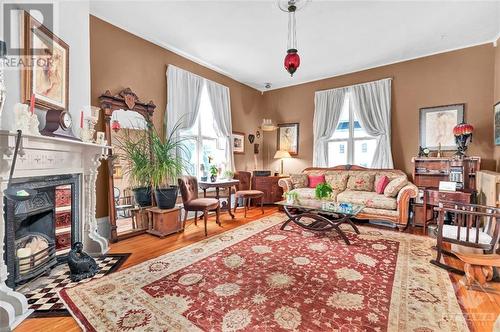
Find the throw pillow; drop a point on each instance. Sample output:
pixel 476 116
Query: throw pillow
pixel 314 180
pixel 395 186
pixel 380 185
pixel 361 182
pixel 299 180
pixel 338 180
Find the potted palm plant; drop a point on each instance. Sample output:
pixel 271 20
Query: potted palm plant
pixel 166 166
pixel 133 151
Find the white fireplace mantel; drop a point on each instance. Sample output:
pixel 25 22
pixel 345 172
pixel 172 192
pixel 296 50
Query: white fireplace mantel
pixel 45 156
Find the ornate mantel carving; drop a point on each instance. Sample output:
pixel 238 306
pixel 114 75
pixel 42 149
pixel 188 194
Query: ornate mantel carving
pixel 45 156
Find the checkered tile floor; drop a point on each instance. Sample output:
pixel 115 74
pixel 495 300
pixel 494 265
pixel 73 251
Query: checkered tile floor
pixel 44 298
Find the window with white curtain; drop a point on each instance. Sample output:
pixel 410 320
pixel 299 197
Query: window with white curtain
pixel 202 142
pixel 350 144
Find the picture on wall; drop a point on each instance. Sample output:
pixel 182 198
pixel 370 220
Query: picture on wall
pixel 436 126
pixel 288 138
pixel 238 142
pixel 48 80
pixel 497 123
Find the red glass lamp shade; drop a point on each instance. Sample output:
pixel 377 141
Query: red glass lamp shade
pixel 292 61
pixel 463 129
pixel 115 125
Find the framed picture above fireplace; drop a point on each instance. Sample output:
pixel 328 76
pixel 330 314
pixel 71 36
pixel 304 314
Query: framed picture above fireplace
pixel 48 81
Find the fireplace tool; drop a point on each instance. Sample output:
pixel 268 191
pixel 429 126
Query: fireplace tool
pixel 17 194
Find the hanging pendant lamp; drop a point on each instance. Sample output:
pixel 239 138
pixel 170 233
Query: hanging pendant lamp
pixel 292 58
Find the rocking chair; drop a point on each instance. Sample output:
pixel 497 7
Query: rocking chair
pixel 472 226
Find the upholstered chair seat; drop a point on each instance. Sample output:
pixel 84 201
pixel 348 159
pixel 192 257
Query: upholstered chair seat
pixel 202 203
pixel 249 193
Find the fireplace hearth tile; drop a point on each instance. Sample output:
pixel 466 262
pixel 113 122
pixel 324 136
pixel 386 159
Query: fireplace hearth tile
pixel 41 293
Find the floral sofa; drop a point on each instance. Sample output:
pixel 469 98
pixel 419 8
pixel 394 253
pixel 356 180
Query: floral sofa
pixel 356 185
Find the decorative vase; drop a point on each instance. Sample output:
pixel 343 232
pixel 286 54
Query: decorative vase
pixel 213 178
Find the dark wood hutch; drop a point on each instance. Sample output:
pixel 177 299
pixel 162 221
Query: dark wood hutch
pixel 429 171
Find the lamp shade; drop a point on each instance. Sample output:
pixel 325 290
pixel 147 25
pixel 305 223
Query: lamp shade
pixel 280 154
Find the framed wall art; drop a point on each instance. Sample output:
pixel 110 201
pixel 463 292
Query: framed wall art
pixel 497 123
pixel 238 142
pixel 48 78
pixel 436 126
pixel 288 138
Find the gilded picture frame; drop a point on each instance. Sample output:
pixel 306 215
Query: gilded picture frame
pixel 47 76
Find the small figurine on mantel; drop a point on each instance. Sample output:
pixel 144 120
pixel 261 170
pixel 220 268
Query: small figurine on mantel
pixel 81 265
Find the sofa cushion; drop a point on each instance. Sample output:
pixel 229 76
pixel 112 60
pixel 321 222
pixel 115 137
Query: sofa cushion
pixel 299 180
pixel 310 193
pixel 369 199
pixel 337 180
pixel 363 181
pixel 380 185
pixel 314 180
pixel 395 186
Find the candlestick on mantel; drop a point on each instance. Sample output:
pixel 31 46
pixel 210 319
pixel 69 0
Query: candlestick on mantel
pixel 81 119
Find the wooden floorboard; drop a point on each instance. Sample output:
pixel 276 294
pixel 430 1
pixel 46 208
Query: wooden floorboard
pixel 481 307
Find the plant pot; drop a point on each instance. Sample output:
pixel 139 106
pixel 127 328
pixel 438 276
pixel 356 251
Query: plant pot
pixel 213 178
pixel 142 196
pixel 166 197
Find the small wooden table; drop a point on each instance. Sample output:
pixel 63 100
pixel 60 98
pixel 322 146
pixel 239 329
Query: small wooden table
pixel 229 184
pixel 165 222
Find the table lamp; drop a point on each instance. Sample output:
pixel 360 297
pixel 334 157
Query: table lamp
pixel 282 154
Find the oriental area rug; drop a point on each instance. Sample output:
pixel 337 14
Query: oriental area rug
pixel 260 278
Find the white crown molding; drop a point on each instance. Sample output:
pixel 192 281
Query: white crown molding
pixel 280 86
pixel 332 75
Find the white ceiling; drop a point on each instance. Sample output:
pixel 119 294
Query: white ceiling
pixel 246 40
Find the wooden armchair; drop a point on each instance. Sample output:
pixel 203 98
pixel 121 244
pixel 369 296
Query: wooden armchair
pixel 472 226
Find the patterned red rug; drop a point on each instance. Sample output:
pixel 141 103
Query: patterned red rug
pixel 260 278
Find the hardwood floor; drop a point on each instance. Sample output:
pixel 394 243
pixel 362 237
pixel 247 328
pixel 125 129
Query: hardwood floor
pixel 482 308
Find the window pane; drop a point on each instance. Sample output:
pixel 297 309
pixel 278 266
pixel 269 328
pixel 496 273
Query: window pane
pixel 363 152
pixel 337 153
pixel 190 155
pixel 209 149
pixel 342 130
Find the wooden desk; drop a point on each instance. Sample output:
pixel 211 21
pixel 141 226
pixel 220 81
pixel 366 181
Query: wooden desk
pixel 224 184
pixel 432 197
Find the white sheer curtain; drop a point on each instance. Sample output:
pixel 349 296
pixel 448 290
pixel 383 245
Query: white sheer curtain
pixel 328 107
pixel 183 93
pixel 371 102
pixel 221 106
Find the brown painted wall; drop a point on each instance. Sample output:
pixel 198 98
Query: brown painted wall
pixel 463 76
pixel 120 59
pixel 496 97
